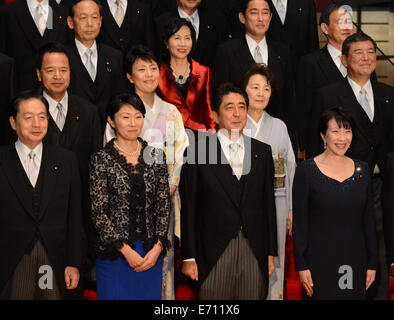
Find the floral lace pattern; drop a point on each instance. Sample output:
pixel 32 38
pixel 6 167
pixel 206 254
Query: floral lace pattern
pixel 129 202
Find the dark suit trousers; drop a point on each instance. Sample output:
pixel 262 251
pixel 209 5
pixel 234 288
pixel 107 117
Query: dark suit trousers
pixel 380 287
pixel 236 275
pixel 26 281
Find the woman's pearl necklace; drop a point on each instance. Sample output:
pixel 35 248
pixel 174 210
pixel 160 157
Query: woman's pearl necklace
pixel 129 153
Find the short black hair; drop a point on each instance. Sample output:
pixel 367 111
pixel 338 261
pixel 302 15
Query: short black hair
pixel 325 16
pixel 136 52
pixel 119 100
pixel 223 90
pixel 173 26
pixel 14 106
pixel 356 37
pixel 244 6
pixel 75 2
pixel 341 116
pixel 51 47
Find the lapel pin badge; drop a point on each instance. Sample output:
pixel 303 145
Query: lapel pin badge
pixel 55 167
pixel 108 66
pixel 138 11
pixel 76 118
pixel 256 156
pixel 278 57
pixel 299 9
pixel 387 101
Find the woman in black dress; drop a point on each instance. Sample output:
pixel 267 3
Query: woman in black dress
pixel 334 237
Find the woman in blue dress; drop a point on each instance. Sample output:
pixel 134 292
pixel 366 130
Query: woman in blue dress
pixel 130 207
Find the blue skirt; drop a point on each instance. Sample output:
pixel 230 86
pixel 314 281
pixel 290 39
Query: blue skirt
pixel 116 280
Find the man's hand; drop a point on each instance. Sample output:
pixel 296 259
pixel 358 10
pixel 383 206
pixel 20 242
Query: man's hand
pixel 190 269
pixel 71 277
pixel 370 278
pixel 306 280
pixel 290 222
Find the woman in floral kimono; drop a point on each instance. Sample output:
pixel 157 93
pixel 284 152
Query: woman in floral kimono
pixel 163 128
pixel 258 82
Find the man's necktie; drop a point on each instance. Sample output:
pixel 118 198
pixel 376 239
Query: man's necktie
pixel 60 118
pixel 89 64
pixel 119 13
pixel 38 19
pixel 191 19
pixel 235 161
pixel 32 168
pixel 258 57
pixel 365 103
pixel 281 9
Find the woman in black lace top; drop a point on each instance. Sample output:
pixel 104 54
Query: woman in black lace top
pixel 130 207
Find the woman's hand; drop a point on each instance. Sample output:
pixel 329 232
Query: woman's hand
pixel 370 278
pixel 150 259
pixel 290 222
pixel 306 280
pixel 133 257
pixel 271 265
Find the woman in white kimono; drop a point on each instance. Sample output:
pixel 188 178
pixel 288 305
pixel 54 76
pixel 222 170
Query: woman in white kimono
pixel 163 128
pixel 258 82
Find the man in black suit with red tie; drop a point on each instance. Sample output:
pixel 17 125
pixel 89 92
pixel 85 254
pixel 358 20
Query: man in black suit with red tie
pixel 228 209
pixel 26 26
pixel 73 123
pixel 127 23
pixel 96 69
pixel 235 56
pixel 370 103
pixel 321 68
pixel 41 233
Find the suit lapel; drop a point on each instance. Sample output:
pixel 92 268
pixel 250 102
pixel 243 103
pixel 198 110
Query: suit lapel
pixel 51 168
pixel 104 69
pixel 223 172
pixel 275 65
pixel 27 23
pixel 82 78
pixel 243 55
pixel 72 124
pixel 110 24
pixel 16 176
pixel 328 66
pixel 349 100
pixel 248 167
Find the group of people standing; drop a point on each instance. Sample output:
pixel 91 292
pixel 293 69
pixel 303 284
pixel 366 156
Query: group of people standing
pixel 194 150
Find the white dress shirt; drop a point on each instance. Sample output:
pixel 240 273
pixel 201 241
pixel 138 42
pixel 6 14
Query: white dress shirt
pixel 194 19
pixel 263 47
pixel 53 110
pixel 113 7
pixel 368 88
pixel 335 55
pixel 82 49
pixel 23 153
pixel 32 5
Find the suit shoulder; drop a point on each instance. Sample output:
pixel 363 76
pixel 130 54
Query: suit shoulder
pixel 108 50
pixel 312 57
pixel 230 44
pixel 60 152
pixel 82 103
pixel 5 60
pixel 259 145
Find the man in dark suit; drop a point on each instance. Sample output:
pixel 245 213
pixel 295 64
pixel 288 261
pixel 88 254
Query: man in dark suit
pixel 96 69
pixel 321 68
pixel 294 24
pixel 126 25
pixel 41 231
pixel 234 57
pixel 228 211
pixel 26 26
pixel 73 122
pixel 7 91
pixel 368 101
pixel 210 28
